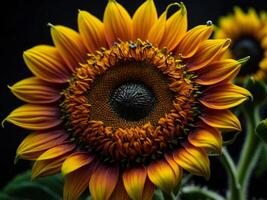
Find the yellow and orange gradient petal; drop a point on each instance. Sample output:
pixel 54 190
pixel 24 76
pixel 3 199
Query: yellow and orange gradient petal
pixel 63 73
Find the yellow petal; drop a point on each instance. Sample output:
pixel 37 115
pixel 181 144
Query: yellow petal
pixel 207 52
pixel 207 137
pixel 193 159
pixel 143 19
pixel 92 31
pixel 161 174
pixel 46 63
pixel 36 143
pixel 56 151
pixel 134 182
pixel 34 117
pixel 222 119
pixel 34 90
pixel 75 161
pixel 76 183
pixel 224 96
pixel 70 46
pixel 224 70
pixel 176 27
pixel 103 182
pixel 117 23
pixel 192 39
pixel 47 167
pixel 175 167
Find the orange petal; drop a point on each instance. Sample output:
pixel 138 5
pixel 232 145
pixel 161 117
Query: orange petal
pixel 134 182
pixel 148 190
pixel 76 182
pixel 34 117
pixel 225 70
pixel 34 90
pixel 56 151
pixel 207 137
pixel 117 23
pixel 47 167
pixel 36 143
pixel 92 31
pixel 224 96
pixel 69 44
pixel 176 27
pixel 75 161
pixel 192 40
pixel 143 19
pixel 193 159
pixel 157 31
pixel 119 192
pixel 162 175
pixel 46 63
pixel 103 182
pixel 222 119
pixel 207 52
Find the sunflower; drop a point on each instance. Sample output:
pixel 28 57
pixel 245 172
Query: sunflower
pixel 248 32
pixel 125 105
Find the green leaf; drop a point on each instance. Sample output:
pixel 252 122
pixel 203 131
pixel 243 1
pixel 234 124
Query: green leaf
pixel 262 163
pixel 257 89
pixel 261 130
pixel 23 188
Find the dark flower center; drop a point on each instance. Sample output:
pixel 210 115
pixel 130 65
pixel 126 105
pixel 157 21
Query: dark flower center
pixel 132 100
pixel 248 46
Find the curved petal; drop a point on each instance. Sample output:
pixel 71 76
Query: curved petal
pixel 36 143
pixel 193 159
pixel 157 31
pixel 75 161
pixel 134 182
pixel 103 182
pixel 46 63
pixel 47 167
pixel 92 31
pixel 119 192
pixel 175 167
pixel 207 52
pixel 69 44
pixel 56 151
pixel 143 19
pixel 76 182
pixel 207 137
pixel 224 70
pixel 176 27
pixel 34 117
pixel 192 40
pixel 222 119
pixel 224 96
pixel 34 90
pixel 148 190
pixel 162 175
pixel 117 23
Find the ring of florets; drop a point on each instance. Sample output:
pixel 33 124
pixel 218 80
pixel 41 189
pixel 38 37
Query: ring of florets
pixel 144 140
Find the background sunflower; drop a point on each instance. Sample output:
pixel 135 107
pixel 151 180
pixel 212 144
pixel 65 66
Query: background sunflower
pixel 25 25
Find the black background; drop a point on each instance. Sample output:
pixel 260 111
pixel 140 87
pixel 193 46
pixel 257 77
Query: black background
pixel 24 25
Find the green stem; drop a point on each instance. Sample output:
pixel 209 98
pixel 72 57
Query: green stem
pixel 169 196
pixel 230 168
pixel 195 192
pixel 250 150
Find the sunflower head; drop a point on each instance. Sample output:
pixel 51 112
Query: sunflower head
pixel 248 32
pixel 125 105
